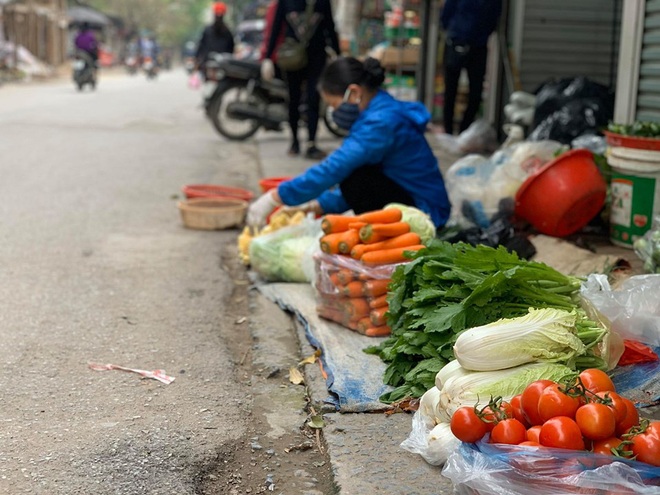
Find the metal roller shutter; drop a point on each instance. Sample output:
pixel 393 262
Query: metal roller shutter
pixel 648 96
pixel 565 38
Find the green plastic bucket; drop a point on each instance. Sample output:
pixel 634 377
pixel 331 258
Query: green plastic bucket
pixel 635 193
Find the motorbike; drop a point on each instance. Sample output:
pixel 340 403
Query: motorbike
pixel 84 70
pixel 239 102
pixel 189 64
pixel 150 67
pixel 131 63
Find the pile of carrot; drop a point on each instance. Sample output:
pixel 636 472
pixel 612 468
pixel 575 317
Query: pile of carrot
pixel 375 238
pixel 355 296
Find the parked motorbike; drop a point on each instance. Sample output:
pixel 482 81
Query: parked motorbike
pixel 84 70
pixel 239 102
pixel 150 67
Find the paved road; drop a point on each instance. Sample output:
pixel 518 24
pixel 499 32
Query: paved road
pixel 95 266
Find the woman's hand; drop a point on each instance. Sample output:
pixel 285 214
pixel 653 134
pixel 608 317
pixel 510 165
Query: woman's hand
pixel 261 208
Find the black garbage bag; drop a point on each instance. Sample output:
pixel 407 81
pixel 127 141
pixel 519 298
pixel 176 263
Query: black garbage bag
pixel 569 108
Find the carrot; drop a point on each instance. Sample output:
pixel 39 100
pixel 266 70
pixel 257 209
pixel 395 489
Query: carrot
pixel 355 307
pixel 409 239
pixel 330 243
pixel 372 237
pixel 375 287
pixel 345 275
pixel 363 325
pixel 377 316
pixel 391 229
pixel 381 216
pixel 348 240
pixel 356 225
pixel 334 278
pixel 378 302
pixel 331 224
pixel 331 314
pixel 385 256
pixel 353 289
pixel 381 331
pixel 358 250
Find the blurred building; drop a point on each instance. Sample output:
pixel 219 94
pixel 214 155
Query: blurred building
pixel 38 25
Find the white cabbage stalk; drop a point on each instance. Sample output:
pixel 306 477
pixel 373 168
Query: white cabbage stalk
pixel 428 406
pixel 434 444
pixel 545 334
pixel 450 369
pixel 470 388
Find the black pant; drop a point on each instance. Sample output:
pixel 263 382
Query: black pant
pixel 473 59
pixel 309 79
pixel 368 189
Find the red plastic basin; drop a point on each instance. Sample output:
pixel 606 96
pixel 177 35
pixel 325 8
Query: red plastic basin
pixel 268 183
pixel 564 195
pixel 213 191
pixel 640 143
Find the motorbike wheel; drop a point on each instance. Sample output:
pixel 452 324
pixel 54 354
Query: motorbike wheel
pixel 233 129
pixel 330 124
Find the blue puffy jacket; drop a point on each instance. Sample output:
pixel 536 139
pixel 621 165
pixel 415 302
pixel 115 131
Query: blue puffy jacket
pixel 389 133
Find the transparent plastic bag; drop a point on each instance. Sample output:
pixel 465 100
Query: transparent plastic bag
pixel 286 255
pixel 195 81
pixel 328 265
pixel 435 443
pixel 488 469
pixel 647 248
pixel 633 308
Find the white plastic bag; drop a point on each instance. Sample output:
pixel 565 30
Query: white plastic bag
pixel 195 81
pixel 434 443
pixel 633 308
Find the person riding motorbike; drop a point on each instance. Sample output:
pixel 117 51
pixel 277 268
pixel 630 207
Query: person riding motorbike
pixel 216 38
pixel 86 43
pixel 384 159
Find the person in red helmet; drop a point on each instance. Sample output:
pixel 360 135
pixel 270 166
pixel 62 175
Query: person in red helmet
pixel 217 38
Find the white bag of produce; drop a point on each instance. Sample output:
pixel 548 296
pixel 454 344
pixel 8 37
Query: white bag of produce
pixel 434 443
pixel 286 255
pixel 633 307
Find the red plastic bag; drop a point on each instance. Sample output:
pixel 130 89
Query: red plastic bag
pixel 636 352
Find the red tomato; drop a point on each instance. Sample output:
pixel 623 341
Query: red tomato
pixel 529 443
pixel 554 402
pixel 596 421
pixel 466 425
pixel 596 380
pixel 605 446
pixel 631 419
pixel 646 447
pixel 618 407
pixel 530 400
pixel 510 431
pixel 491 419
pixel 517 410
pixel 654 428
pixel 561 433
pixel 533 433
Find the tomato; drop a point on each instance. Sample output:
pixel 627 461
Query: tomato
pixel 561 433
pixel 529 400
pixel 533 433
pixel 606 445
pixel 517 409
pixel 554 402
pixel 530 443
pixel 646 447
pixel 618 407
pixel 596 421
pixel 654 428
pixel 596 380
pixel 466 425
pixel 631 419
pixel 510 431
pixel 491 419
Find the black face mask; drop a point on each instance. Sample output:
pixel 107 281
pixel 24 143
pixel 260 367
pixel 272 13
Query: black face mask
pixel 347 113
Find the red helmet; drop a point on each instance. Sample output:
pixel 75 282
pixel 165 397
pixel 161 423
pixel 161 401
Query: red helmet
pixel 219 8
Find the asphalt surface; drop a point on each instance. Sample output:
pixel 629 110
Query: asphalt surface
pixel 96 267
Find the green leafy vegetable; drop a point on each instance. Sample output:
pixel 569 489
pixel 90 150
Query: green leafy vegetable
pixel 448 288
pixel 638 129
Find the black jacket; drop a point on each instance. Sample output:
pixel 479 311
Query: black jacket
pixel 325 34
pixel 212 41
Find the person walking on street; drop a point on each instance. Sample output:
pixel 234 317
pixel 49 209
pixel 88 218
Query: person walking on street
pixel 319 32
pixel 385 158
pixel 216 38
pixel 468 24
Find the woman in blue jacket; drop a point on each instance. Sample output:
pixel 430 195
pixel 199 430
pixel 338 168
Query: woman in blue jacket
pixel 384 159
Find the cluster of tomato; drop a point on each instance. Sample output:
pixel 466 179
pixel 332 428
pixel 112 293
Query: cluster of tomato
pixel 585 415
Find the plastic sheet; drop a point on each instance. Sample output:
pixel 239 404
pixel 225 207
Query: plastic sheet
pixel 488 469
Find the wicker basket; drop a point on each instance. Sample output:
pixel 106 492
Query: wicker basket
pixel 212 213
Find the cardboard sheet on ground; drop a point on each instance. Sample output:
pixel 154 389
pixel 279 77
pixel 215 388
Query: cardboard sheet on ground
pixel 568 258
pixel 355 379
